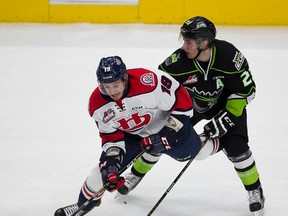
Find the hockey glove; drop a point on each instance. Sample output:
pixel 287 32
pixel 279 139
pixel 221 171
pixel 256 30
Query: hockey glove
pixel 220 124
pixel 157 143
pixel 165 139
pixel 109 170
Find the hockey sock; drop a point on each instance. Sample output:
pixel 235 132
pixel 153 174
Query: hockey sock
pixel 246 169
pixel 143 164
pixel 211 147
pixel 86 194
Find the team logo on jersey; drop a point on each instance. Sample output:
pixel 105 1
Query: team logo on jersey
pixel 147 79
pixel 108 115
pixel 200 93
pixel 190 80
pixel 239 60
pixel 135 122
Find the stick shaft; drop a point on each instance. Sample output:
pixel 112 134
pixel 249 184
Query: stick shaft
pixel 175 180
pixel 101 190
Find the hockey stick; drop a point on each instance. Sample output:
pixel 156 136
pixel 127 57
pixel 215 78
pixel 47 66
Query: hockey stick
pixel 175 180
pixel 101 190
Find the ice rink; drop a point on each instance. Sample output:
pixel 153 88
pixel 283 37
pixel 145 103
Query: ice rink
pixel 49 143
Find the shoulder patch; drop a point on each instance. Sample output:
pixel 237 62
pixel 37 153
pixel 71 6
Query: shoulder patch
pixel 172 59
pixel 148 79
pixel 239 60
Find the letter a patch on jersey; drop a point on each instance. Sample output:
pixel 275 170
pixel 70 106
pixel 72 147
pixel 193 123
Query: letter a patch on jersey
pixel 219 84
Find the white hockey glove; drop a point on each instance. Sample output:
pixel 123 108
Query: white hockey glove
pixel 220 124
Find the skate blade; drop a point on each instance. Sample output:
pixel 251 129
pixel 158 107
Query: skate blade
pixel 259 213
pixel 118 195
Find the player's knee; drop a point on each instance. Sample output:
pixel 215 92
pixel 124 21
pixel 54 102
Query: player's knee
pixel 94 180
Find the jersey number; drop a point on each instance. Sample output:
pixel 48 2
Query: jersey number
pixel 166 84
pixel 247 79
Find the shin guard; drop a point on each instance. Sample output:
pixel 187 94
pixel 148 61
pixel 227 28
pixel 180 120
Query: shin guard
pixel 246 169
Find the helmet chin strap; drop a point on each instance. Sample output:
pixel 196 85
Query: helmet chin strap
pixel 200 51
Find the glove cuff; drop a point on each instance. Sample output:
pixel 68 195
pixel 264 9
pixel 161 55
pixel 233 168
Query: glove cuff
pixel 115 152
pixel 229 118
pixel 109 163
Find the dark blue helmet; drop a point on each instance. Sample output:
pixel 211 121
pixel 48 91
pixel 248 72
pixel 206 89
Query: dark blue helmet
pixel 111 69
pixel 199 28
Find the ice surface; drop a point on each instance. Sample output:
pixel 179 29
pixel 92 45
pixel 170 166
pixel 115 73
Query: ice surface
pixel 49 143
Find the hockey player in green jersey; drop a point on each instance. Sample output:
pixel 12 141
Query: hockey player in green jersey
pixel 217 76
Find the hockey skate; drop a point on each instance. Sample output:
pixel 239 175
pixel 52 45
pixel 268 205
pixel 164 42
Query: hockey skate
pixel 69 210
pixel 256 201
pixel 131 181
